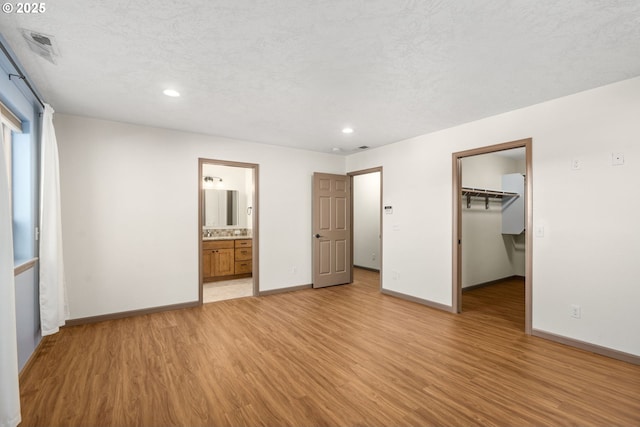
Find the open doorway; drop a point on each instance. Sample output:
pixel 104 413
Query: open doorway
pixel 367 226
pixel 227 230
pixel 492 227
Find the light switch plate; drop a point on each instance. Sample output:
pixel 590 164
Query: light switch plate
pixel 576 164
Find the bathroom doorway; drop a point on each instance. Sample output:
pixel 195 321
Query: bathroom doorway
pixel 227 230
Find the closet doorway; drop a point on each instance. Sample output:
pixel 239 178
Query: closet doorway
pixel 492 227
pixel 227 230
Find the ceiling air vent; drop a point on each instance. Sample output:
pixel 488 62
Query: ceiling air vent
pixel 41 44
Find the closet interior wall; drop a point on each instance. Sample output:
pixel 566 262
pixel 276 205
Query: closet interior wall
pixel 487 254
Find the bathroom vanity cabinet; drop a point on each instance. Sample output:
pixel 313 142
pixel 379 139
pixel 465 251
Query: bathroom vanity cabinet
pixel 217 258
pixel 226 259
pixel 243 256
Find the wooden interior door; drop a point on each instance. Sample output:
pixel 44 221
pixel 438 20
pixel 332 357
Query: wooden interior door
pixel 331 230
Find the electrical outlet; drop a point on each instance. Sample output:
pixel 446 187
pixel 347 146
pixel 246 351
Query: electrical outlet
pixel 373 256
pixel 574 311
pixel 617 159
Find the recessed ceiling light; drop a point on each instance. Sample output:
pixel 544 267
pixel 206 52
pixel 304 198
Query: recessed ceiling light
pixel 172 93
pixel 347 130
pixel 336 149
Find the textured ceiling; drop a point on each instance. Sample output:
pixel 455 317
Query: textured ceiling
pixel 294 72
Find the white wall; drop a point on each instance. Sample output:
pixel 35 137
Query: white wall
pixel 487 254
pixel 589 252
pixel 130 212
pixel 366 220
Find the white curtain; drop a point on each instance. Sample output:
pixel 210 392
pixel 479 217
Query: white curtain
pixel 9 387
pixel 53 297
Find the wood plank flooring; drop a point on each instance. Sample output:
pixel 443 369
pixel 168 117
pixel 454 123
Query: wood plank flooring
pixel 339 356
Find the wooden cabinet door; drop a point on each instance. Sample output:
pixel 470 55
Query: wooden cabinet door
pixel 206 264
pixel 223 262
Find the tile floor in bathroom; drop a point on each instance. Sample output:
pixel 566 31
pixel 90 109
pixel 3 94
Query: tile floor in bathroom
pixel 227 289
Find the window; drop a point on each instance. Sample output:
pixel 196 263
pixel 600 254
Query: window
pixel 6 146
pixel 8 123
pixel 21 165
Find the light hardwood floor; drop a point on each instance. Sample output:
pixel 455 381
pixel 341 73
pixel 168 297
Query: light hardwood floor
pixel 339 356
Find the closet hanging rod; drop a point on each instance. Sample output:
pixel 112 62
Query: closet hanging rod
pixel 480 192
pixel 486 194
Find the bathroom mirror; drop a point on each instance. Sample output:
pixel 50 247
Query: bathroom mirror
pixel 220 208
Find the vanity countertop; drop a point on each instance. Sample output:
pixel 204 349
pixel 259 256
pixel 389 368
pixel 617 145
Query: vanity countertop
pixel 225 238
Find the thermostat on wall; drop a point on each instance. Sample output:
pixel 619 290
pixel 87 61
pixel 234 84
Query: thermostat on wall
pixel 388 210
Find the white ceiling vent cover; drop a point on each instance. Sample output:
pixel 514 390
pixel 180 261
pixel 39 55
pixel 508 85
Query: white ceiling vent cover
pixel 41 44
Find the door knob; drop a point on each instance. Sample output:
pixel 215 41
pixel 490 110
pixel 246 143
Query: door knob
pixel 317 236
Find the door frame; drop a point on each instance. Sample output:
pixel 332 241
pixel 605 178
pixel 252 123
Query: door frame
pixel 255 276
pixel 457 157
pixel 351 175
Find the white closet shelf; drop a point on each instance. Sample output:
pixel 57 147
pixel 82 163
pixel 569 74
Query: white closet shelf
pixel 486 195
